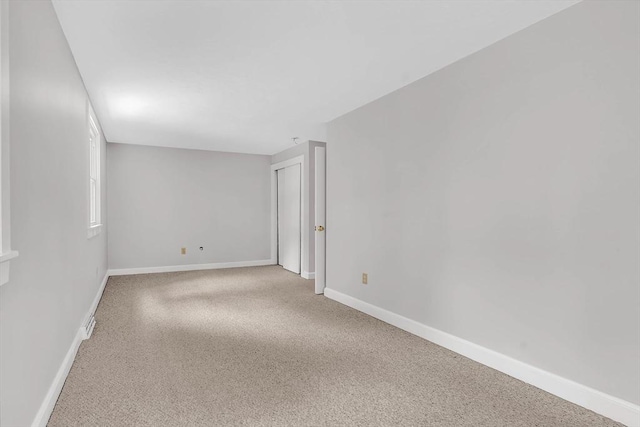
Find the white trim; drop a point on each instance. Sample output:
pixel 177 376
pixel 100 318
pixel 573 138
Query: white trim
pixel 46 408
pixel 304 232
pixel 96 300
pixel 5 265
pixel 8 256
pixel 187 267
pixel 308 275
pixel 42 417
pixel 286 163
pixel 320 217
pixel 597 401
pixel 95 132
pixel 94 230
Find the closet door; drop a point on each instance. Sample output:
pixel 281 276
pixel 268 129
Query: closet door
pixel 289 227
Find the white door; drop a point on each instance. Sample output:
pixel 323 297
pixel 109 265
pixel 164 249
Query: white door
pixel 321 197
pixel 289 232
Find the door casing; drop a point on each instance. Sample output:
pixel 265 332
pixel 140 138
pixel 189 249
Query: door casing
pixel 320 218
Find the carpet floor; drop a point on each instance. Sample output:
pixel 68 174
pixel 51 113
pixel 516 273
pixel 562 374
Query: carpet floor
pixel 255 346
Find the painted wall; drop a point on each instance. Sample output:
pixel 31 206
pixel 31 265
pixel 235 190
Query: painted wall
pixel 498 198
pixel 57 275
pixel 308 150
pixel 162 199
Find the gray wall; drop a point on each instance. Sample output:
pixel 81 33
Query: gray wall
pixel 57 275
pixel 162 199
pixel 308 150
pixel 498 198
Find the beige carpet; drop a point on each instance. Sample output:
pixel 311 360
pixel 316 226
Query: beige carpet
pixel 255 346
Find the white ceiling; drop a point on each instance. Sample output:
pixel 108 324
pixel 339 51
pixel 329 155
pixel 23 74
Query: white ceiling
pixel 246 76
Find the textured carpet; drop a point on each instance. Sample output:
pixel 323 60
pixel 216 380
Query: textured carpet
pixel 255 346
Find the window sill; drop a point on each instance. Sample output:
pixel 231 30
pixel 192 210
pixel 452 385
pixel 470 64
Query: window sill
pixel 94 230
pixel 4 265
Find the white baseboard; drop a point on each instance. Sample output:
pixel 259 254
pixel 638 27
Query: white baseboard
pixel 98 297
pixel 96 300
pixel 42 417
pixel 49 402
pixel 187 267
pixel 597 401
pixel 308 275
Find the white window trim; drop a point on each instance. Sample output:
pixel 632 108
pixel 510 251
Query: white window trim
pixel 94 228
pixel 5 264
pixel 6 254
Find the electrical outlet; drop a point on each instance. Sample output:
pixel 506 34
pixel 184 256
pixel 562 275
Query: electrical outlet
pixel 183 251
pixel 365 278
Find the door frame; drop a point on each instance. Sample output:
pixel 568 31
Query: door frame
pixel 320 218
pixel 304 232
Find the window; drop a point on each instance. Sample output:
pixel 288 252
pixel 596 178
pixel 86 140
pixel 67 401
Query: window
pixel 94 177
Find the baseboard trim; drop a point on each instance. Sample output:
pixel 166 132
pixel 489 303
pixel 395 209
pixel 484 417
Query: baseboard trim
pixel 188 267
pixel 46 408
pixel 594 400
pixel 42 417
pixel 308 275
pixel 96 300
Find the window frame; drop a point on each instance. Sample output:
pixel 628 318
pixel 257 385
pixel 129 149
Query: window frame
pixel 94 181
pixel 6 252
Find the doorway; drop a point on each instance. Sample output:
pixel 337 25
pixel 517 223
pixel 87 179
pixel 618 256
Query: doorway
pixel 289 226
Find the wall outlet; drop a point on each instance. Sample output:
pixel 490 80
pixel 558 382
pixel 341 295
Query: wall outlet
pixel 183 251
pixel 365 278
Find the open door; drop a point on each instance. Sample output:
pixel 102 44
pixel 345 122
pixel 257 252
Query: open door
pixel 320 232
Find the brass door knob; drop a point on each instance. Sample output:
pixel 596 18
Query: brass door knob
pixel 319 228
